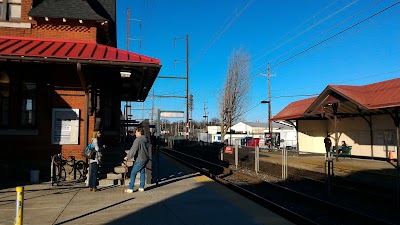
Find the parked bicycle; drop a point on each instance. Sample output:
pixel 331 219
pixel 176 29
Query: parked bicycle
pixel 58 169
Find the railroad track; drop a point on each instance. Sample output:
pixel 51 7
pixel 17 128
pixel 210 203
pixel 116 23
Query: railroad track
pixel 292 204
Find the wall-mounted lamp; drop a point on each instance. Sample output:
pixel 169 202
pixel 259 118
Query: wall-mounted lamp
pixel 80 21
pixel 64 20
pixel 125 74
pixel 30 18
pixel 46 18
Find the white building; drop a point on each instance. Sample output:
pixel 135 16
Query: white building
pixel 252 130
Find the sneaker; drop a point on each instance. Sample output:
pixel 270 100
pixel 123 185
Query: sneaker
pixel 141 189
pixel 128 191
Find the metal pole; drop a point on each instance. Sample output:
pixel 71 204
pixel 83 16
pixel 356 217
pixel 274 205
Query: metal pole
pixel 269 100
pixel 397 166
pixel 158 144
pixel 19 209
pixel 187 86
pixel 128 16
pixel 236 155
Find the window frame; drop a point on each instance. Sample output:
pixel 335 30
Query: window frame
pixel 4 10
pixel 28 119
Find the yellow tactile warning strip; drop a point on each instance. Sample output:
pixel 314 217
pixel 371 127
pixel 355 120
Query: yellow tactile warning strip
pixel 261 214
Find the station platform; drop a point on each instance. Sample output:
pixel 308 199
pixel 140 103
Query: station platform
pixel 182 197
pixel 364 171
pixel 344 165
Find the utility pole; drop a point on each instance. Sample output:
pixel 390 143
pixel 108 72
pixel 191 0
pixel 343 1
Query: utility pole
pixel 269 100
pixel 206 119
pixel 269 97
pixel 128 27
pixel 187 83
pixel 205 114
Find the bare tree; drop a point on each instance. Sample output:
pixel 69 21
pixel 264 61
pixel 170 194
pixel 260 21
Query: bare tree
pixel 232 105
pixel 215 121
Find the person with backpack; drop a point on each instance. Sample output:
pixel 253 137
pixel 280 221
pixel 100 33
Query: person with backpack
pixel 139 152
pixel 95 161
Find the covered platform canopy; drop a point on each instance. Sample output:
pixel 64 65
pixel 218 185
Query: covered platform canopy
pixel 138 71
pixel 345 101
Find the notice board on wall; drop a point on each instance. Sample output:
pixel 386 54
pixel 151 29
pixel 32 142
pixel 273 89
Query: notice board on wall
pixel 65 126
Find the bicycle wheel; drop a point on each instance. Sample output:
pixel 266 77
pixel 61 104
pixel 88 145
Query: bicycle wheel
pixel 81 168
pixel 61 174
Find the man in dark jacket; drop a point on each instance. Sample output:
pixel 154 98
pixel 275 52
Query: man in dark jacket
pixel 328 144
pixel 140 154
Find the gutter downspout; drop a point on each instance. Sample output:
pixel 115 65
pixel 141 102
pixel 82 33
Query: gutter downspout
pixel 85 115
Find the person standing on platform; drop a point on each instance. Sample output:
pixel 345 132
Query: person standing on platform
pixel 139 152
pixel 95 161
pixel 328 144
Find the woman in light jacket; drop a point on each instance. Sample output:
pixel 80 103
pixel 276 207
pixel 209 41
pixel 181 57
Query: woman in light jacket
pixel 95 161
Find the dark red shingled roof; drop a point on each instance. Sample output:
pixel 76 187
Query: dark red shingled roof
pixel 47 49
pixel 385 94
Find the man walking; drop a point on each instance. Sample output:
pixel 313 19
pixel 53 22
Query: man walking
pixel 140 154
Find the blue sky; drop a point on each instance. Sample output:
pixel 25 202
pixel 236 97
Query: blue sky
pixel 309 45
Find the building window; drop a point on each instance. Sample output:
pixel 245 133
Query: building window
pixel 10 9
pixel 28 110
pixel 4 98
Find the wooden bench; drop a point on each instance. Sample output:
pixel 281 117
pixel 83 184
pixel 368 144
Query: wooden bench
pixel 344 152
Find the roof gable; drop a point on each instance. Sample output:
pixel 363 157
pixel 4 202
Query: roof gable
pixel 294 110
pixel 352 99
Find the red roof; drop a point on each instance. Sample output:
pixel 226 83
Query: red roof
pixel 294 110
pixel 379 95
pixel 46 49
pixel 373 96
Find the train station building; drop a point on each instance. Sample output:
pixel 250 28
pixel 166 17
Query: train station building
pixel 365 117
pixel 61 77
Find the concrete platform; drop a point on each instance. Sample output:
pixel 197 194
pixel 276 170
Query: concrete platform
pixel 182 197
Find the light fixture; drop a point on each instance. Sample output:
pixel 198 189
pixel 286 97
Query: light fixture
pixel 80 21
pixel 64 20
pixel 46 18
pixel 30 18
pixel 125 74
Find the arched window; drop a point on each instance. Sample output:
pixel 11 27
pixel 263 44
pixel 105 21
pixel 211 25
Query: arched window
pixel 4 98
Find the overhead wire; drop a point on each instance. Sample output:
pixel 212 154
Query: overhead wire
pixel 309 28
pixel 335 35
pixel 222 32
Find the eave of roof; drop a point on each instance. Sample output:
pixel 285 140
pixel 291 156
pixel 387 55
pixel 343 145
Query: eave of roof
pixel 294 110
pixel 35 49
pixel 385 94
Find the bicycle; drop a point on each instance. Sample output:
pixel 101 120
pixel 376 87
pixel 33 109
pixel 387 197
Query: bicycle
pixel 59 173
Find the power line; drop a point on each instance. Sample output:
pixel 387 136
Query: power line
pixel 335 35
pixel 223 31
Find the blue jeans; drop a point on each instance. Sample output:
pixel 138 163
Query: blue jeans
pixel 94 167
pixel 138 167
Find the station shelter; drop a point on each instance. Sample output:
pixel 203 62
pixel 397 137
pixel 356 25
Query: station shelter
pixel 365 117
pixel 61 77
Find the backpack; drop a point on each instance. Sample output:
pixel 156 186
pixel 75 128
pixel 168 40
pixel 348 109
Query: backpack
pixel 89 152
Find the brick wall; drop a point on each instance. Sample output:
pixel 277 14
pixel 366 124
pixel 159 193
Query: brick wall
pixel 52 29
